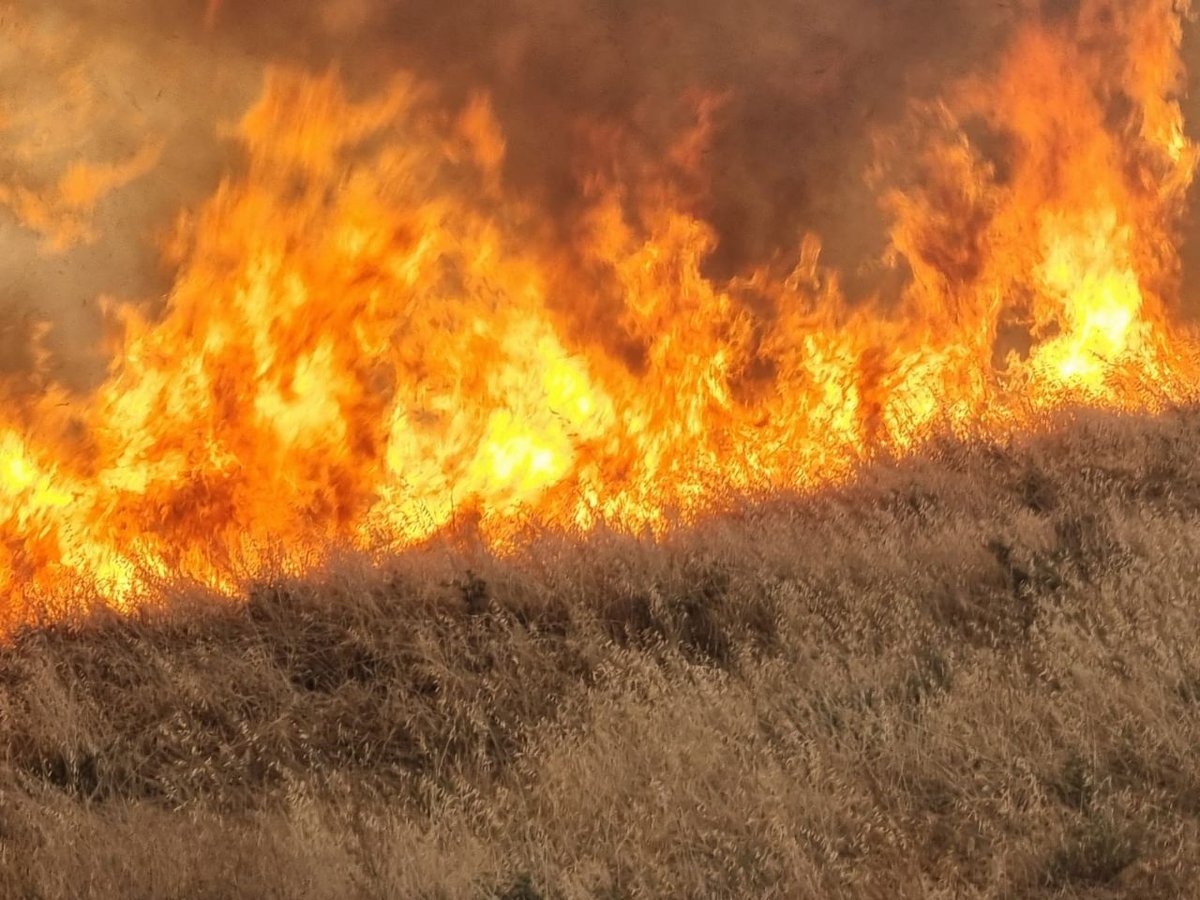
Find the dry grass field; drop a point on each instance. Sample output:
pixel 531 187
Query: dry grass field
pixel 972 674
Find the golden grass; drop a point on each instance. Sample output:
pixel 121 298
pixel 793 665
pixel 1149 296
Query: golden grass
pixel 974 674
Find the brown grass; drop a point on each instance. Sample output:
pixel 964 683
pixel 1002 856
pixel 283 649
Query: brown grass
pixel 976 674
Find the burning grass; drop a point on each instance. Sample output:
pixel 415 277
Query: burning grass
pixel 973 673
pixel 370 327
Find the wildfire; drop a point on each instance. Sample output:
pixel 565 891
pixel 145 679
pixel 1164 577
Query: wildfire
pixel 369 339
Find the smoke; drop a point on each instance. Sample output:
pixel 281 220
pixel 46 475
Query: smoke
pixel 107 130
pixel 804 83
pixel 803 87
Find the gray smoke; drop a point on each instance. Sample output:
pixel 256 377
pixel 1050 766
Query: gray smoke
pixel 807 82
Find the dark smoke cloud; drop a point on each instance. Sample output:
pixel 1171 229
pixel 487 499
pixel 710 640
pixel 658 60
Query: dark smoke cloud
pixel 806 82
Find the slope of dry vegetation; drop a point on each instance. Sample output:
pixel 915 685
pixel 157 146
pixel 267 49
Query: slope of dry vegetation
pixel 976 674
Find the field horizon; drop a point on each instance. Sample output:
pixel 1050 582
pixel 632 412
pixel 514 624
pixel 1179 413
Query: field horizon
pixel 971 673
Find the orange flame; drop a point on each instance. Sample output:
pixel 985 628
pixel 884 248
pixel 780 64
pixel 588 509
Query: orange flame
pixel 366 341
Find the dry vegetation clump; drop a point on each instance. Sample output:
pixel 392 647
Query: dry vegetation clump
pixel 973 674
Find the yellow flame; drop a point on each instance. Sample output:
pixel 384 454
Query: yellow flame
pixel 369 340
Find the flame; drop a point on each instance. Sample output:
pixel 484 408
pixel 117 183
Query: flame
pixel 370 340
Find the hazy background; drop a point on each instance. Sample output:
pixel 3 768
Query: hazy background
pixel 102 81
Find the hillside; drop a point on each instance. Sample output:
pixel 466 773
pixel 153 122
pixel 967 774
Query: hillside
pixel 972 674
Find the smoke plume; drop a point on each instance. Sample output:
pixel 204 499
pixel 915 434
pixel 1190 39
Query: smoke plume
pixel 113 115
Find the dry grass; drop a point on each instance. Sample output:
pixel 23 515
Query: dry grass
pixel 972 675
